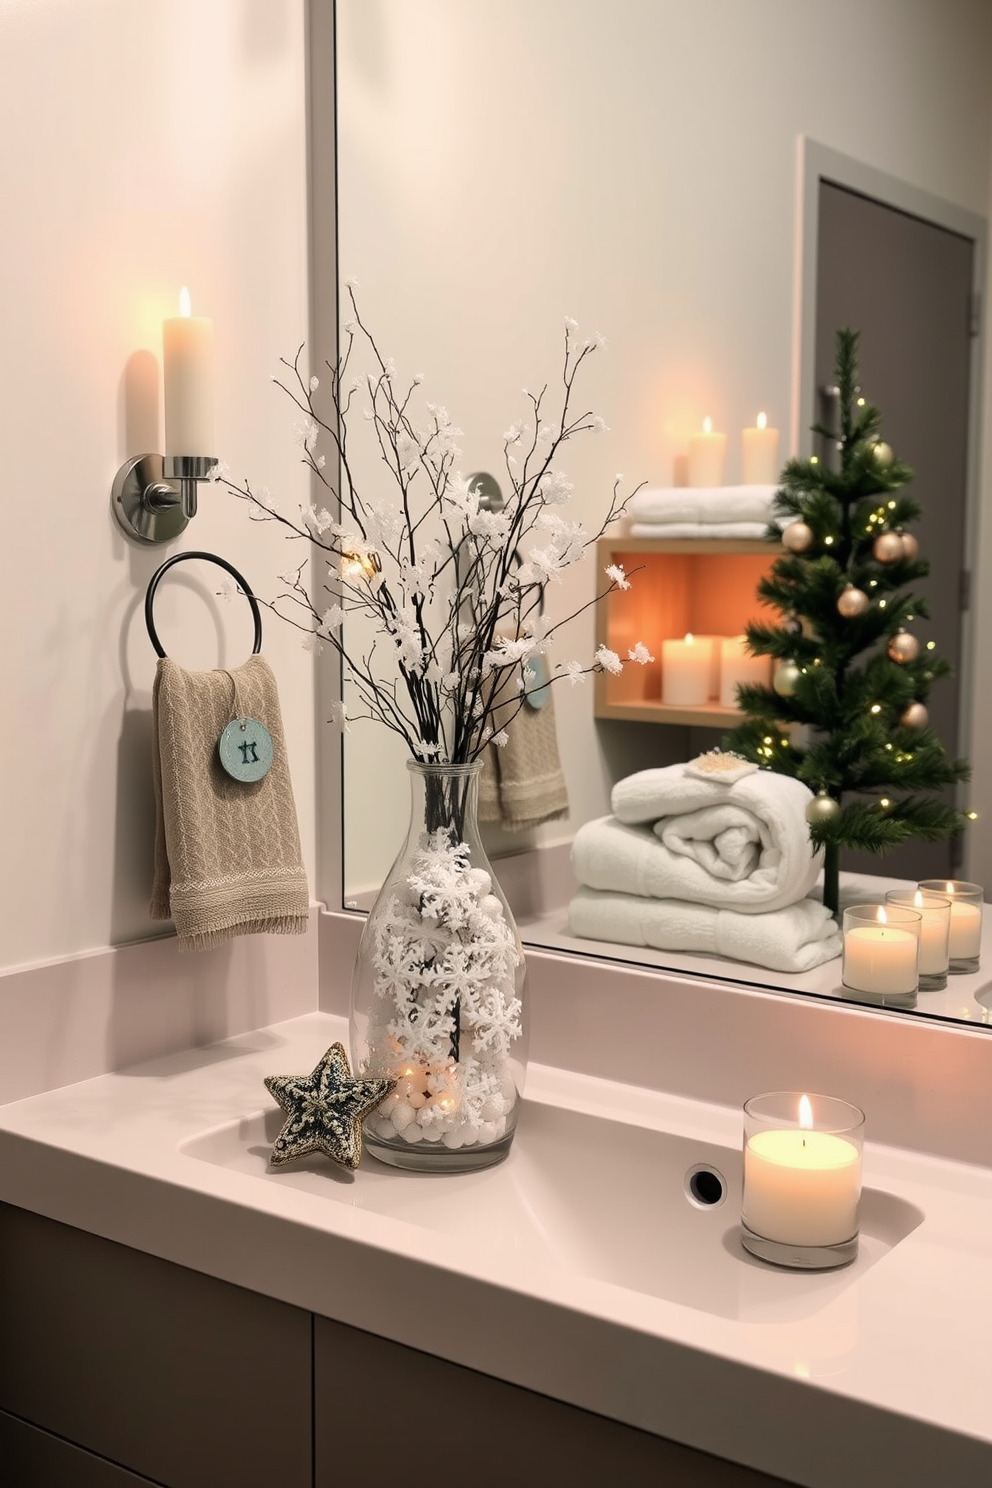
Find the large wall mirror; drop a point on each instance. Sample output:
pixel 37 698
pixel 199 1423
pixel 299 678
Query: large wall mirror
pixel 643 166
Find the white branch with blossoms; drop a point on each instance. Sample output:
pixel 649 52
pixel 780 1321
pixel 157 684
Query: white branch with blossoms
pixel 453 592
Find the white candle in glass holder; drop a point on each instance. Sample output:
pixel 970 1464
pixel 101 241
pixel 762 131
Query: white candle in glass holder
pixel 737 667
pixel 187 375
pixel 685 671
pixel 934 944
pixel 801 1187
pixel 880 957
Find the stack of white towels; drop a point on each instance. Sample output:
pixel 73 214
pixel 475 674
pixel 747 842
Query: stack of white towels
pixel 703 511
pixel 713 856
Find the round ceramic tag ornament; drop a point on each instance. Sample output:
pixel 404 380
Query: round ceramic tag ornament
pixel 245 749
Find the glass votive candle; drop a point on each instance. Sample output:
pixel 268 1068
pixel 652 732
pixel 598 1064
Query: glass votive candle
pixel 966 921
pixel 935 932
pixel 802 1179
pixel 882 950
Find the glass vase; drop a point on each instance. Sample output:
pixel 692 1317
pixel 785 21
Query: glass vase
pixel 436 995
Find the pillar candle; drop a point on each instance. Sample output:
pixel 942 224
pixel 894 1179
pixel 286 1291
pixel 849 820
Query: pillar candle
pixel 707 456
pixel 759 454
pixel 738 666
pixel 685 671
pixel 713 641
pixel 187 364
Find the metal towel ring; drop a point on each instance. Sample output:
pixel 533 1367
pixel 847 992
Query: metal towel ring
pixel 208 558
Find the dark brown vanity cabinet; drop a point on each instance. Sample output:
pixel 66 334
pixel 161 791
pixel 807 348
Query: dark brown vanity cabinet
pixel 118 1369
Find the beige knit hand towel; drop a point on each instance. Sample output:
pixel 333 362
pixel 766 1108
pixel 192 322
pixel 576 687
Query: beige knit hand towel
pixel 227 854
pixel 522 784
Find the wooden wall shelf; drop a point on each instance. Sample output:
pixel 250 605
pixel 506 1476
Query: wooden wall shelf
pixel 706 586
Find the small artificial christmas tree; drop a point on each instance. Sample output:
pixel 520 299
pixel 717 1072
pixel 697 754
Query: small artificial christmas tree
pixel 845 665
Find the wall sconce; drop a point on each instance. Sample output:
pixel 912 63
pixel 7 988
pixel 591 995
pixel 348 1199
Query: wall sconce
pixel 154 496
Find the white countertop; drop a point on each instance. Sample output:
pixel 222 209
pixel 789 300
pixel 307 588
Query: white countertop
pixel 578 1269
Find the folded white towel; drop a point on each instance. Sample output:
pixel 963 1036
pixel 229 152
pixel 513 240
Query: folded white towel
pixel 703 504
pixel 736 838
pixel 796 938
pixel 738 531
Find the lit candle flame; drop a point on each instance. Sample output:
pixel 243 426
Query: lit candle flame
pixel 762 420
pixel 881 917
pixel 689 638
pixel 918 899
pixel 805 1113
pixel 707 425
pixel 185 308
pixel 949 888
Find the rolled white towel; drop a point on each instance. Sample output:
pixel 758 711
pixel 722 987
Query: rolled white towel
pixel 715 831
pixel 703 504
pixel 795 938
pixel 675 531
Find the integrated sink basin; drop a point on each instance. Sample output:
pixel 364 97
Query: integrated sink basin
pixel 606 1199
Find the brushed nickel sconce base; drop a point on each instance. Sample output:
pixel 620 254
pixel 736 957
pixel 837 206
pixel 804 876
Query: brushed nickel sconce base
pixel 153 498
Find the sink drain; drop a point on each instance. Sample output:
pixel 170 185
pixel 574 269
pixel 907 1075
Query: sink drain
pixel 705 1187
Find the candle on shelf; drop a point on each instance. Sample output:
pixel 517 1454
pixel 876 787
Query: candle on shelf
pixel 759 454
pixel 881 949
pixel 187 375
pixel 685 671
pixel 738 667
pixel 707 456
pixel 935 926
pixel 965 947
pixel 802 1179
pixel 713 641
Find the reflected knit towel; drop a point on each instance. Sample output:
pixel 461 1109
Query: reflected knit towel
pixel 797 938
pixel 227 854
pixel 522 783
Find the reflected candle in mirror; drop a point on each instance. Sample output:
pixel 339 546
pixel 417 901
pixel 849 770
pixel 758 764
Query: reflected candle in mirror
pixel 802 1186
pixel 881 949
pixel 759 454
pixel 685 670
pixel 707 456
pixel 934 932
pixel 738 667
pixel 966 920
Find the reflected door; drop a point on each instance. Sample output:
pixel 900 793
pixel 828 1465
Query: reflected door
pixel 905 284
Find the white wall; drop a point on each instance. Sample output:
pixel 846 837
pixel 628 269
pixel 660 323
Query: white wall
pixel 145 145
pixel 631 163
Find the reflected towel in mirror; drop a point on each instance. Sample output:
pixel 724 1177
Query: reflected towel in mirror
pixel 795 938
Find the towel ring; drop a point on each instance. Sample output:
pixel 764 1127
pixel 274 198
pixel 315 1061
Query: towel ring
pixel 208 558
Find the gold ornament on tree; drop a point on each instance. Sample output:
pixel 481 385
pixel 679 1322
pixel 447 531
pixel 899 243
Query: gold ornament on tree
pixel 883 454
pixel 903 647
pixel 852 602
pixel 910 546
pixel 786 678
pixel 797 537
pixel 822 809
pixel 915 716
pixel 888 547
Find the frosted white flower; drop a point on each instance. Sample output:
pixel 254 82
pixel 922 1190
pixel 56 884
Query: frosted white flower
pixel 570 324
pixel 640 653
pixel 575 672
pixel 514 433
pixel 291 576
pixel 332 618
pixel 350 327
pixel 501 739
pixel 615 573
pixel 227 591
pixel 314 384
pixel 555 488
pixel 543 566
pixel 609 660
pixel 507 651
pixel 311 642
pixel 219 472
pixel 492 526
pixel 352 283
pixel 339 716
pixel 600 424
pixel 317 521
pixel 307 433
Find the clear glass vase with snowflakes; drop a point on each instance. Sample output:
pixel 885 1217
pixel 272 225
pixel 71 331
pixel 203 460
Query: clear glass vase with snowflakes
pixel 436 998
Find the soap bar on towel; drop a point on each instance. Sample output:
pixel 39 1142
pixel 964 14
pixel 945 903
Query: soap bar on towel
pixel 796 938
pixel 227 853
